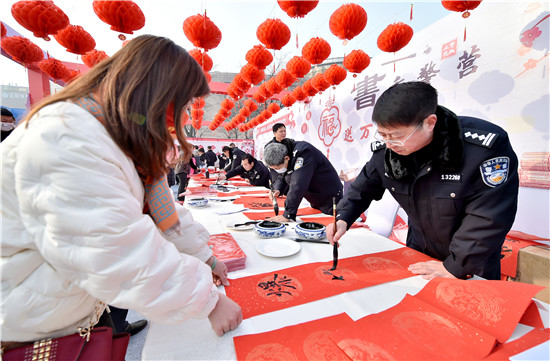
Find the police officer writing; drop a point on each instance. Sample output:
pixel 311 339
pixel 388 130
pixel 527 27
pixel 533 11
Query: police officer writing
pixel 234 155
pixel 455 176
pixel 304 173
pixel 254 172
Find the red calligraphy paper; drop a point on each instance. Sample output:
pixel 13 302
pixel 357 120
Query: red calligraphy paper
pixel 294 286
pixel 201 191
pixel 256 216
pixel 258 202
pixel 533 338
pixel 226 249
pixel 515 240
pixel 241 192
pixel 305 341
pixel 494 307
pixel 413 330
pixel 240 184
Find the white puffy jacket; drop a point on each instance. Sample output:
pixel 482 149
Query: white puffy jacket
pixel 73 232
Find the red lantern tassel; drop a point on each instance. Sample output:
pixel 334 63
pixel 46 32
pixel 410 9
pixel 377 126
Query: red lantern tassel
pixel 464 32
pixel 411 11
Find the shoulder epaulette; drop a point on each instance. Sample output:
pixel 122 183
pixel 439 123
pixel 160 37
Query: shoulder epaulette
pixel 377 145
pixel 480 137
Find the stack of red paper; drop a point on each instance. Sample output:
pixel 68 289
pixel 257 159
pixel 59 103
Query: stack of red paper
pixel 227 251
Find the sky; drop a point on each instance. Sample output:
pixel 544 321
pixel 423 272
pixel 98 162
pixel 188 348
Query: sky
pixel 237 20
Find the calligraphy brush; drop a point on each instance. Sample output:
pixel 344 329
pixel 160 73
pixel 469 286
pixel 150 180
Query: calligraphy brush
pixel 275 204
pixel 335 247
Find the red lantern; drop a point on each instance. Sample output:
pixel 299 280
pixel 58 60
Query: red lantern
pixel 227 104
pixel 93 57
pixel 316 50
pixel 394 37
pixel 298 66
pixel 204 60
pixel 266 114
pixel 202 32
pixel 299 94
pixel 71 76
pixel 273 33
pixel 240 83
pixel 272 86
pixel 461 6
pixel 54 68
pixel 308 88
pixel 288 100
pixel 251 105
pixel 197 113
pixel 285 79
pixel 252 74
pixel 319 82
pixel 335 74
pixel 356 61
pixel 259 56
pixel 263 91
pixel 124 16
pixel 196 123
pixel 40 17
pixel 245 112
pixel 22 50
pixel 4 30
pixel 297 8
pixel 260 98
pixel 348 21
pixel 198 103
pixel 207 76
pixel 75 39
pixel 273 108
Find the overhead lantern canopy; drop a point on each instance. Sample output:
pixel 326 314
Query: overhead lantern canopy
pixel 348 21
pixel 43 18
pixel 75 39
pixel 202 32
pixel 123 16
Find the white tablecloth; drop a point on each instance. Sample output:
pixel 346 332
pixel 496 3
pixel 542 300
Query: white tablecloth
pixel 195 339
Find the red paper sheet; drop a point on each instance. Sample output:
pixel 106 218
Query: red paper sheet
pixel 530 340
pixel 510 253
pixel 256 216
pixel 258 202
pixel 241 192
pixel 495 307
pixel 305 341
pixel 227 250
pixel 267 292
pixel 413 330
pixel 201 191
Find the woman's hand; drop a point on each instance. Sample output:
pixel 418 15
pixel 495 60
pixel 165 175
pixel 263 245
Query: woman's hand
pixel 226 316
pixel 219 272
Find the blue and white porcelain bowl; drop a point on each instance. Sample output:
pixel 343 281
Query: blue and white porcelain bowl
pixel 197 202
pixel 269 229
pixel 310 230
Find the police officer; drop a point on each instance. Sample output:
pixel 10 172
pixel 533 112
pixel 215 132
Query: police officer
pixel 254 172
pixel 234 155
pixel 456 177
pixel 307 173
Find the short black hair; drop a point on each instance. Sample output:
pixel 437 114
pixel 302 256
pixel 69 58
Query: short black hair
pixel 226 148
pixel 201 150
pixel 232 144
pixel 277 126
pixel 6 112
pixel 249 158
pixel 405 104
pixel 209 147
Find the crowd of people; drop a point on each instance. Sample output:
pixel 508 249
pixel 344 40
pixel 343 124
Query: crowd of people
pixel 88 217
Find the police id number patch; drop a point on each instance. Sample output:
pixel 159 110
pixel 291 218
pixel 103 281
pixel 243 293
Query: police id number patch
pixel 495 171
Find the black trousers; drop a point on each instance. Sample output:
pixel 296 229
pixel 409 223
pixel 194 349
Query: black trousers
pixel 183 181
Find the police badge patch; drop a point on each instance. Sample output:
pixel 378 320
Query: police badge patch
pixel 495 171
pixel 299 163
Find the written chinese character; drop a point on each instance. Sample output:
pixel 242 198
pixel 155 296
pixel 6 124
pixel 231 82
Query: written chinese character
pixel 365 130
pixel 347 135
pixel 329 126
pixel 334 277
pixel 427 72
pixel 467 62
pixel 277 287
pixel 448 49
pixel 366 91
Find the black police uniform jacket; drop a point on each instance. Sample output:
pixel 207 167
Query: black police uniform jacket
pixel 460 193
pixel 210 158
pixel 236 159
pixel 258 175
pixel 311 176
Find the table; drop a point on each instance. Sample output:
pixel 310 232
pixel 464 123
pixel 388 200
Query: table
pixel 195 339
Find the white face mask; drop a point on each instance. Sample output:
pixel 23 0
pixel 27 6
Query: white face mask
pixel 281 170
pixel 6 127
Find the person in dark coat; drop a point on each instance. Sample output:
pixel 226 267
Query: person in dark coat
pixel 222 158
pixel 210 157
pixel 304 173
pixel 455 177
pixel 279 136
pixel 234 155
pixel 255 172
pixel 8 123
